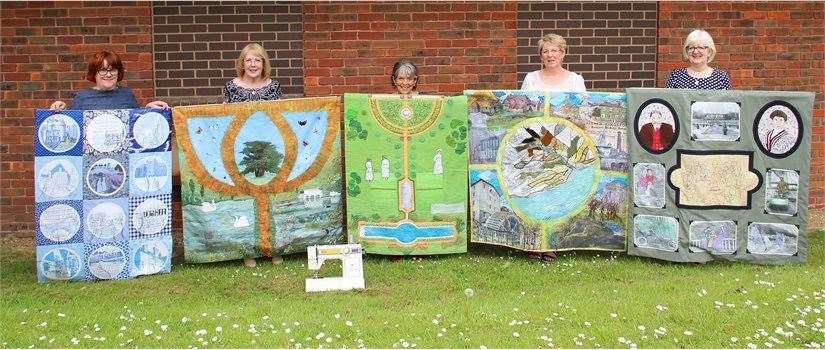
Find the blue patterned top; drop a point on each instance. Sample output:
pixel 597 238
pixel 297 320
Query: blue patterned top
pixel 680 79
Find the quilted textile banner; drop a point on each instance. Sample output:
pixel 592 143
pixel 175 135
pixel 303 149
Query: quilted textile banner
pixel 406 173
pixel 259 178
pixel 103 183
pixel 548 170
pixel 720 174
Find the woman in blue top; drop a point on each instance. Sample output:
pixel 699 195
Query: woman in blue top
pixel 105 71
pixel 699 51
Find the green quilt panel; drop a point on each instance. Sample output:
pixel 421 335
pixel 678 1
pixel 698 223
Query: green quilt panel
pixel 406 173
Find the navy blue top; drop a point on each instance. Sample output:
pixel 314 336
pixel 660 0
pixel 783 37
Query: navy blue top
pixel 680 79
pixel 120 98
pixel 234 93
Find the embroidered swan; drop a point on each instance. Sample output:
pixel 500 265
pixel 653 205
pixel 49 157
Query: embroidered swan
pixel 240 221
pixel 208 207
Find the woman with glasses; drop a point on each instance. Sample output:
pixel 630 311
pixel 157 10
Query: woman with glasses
pixel 252 82
pixel 552 75
pixel 699 51
pixel 105 71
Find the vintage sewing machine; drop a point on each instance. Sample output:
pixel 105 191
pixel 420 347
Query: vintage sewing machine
pixel 351 266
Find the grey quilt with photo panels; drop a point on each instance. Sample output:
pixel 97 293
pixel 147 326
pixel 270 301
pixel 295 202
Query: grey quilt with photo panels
pixel 719 175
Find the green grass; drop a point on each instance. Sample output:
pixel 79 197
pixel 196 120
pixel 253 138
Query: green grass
pixel 490 297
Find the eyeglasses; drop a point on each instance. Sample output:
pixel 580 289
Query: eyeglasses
pixel 553 51
pixel 103 71
pixel 251 60
pixel 696 48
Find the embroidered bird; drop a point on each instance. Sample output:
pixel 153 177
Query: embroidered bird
pixel 548 149
pixel 535 142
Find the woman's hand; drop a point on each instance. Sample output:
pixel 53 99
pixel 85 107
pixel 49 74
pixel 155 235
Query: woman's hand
pixel 58 106
pixel 158 105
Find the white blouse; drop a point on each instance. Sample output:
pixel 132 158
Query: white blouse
pixel 574 82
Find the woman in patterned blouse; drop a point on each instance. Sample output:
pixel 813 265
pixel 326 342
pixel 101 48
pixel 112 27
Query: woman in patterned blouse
pixel 253 82
pixel 699 51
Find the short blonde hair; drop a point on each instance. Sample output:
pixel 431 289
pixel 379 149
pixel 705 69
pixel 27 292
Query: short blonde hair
pixel 553 39
pixel 257 50
pixel 699 37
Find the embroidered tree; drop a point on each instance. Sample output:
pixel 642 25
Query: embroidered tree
pixel 353 185
pixel 260 157
pixel 355 130
pixel 594 205
pixel 482 101
pixel 189 194
pixel 457 139
pixel 597 113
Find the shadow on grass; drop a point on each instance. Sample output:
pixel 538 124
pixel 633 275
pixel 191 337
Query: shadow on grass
pixel 15 248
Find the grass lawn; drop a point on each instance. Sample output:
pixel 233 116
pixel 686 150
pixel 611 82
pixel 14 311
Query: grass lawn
pixel 491 297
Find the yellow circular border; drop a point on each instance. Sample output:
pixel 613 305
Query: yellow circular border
pixel 500 172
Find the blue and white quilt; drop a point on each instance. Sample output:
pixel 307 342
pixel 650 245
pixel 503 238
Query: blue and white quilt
pixel 103 187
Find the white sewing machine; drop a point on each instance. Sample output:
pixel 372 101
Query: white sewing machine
pixel 351 267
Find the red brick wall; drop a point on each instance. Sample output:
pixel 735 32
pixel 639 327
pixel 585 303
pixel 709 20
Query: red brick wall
pixel 351 47
pixel 44 49
pixel 196 44
pixel 611 44
pixel 764 46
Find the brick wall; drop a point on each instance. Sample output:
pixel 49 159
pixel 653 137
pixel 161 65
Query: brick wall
pixel 341 47
pixel 611 44
pixel 350 47
pixel 764 46
pixel 196 44
pixel 44 49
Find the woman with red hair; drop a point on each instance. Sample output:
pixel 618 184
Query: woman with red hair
pixel 105 71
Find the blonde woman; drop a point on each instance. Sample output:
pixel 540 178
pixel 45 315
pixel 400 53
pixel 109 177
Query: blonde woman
pixel 699 50
pixel 253 82
pixel 552 76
